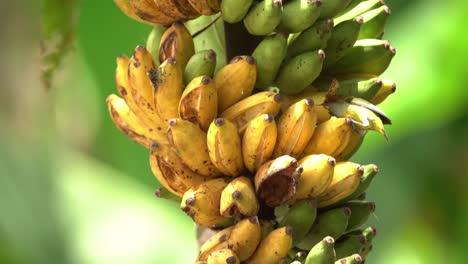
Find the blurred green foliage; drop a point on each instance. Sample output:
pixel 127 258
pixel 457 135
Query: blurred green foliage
pixel 75 190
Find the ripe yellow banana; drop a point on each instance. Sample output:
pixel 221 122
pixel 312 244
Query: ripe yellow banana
pixel 355 141
pixel 177 43
pixel 168 84
pixel 388 87
pixel 223 256
pixel 147 11
pixel 238 198
pixel 129 124
pixel 317 175
pixel 330 137
pixel 215 242
pixel 177 9
pixel 189 141
pixel 201 203
pixel 259 141
pixel 276 180
pixel 245 237
pixel 235 81
pixel 171 171
pixel 199 102
pixel 346 178
pixel 295 128
pixel 274 247
pixel 205 7
pixel 249 108
pixel 224 146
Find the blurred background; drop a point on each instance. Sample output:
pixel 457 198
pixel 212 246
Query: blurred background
pixel 73 189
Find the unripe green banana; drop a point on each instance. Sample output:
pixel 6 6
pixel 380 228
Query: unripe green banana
pixel 322 253
pixel 358 8
pixel 342 38
pixel 201 63
pixel 300 71
pixel 331 223
pixel 153 41
pixel 362 88
pixel 313 38
pixel 299 15
pixel 234 11
pixel 367 56
pixel 264 17
pixel 330 8
pixel 369 233
pixel 361 211
pixel 269 55
pixel 370 170
pixel 374 23
pixel 353 259
pixel 238 198
pixel 350 244
pixel 300 217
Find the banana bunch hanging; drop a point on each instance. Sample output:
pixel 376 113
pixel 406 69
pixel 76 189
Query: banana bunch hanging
pixel 260 148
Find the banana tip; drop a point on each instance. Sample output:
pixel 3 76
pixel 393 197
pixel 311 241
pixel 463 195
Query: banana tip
pixel 347 211
pixel 372 206
pixel 359 20
pixel 332 161
pixel 321 54
pixel 206 80
pixel 254 220
pixel 219 122
pixel 173 122
pixel 289 230
pixel 231 260
pixel 237 195
pixel 329 240
pixel 250 60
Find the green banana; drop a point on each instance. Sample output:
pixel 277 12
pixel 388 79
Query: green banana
pixel 365 89
pixel 201 63
pixel 357 9
pixel 153 41
pixel 370 170
pixel 342 38
pixel 299 15
pixel 353 259
pixel 313 38
pixel 369 233
pixel 330 8
pixel 330 223
pixel 297 73
pixel 300 217
pixel 322 253
pixel 264 17
pixel 374 22
pixel 367 56
pixel 350 244
pixel 234 11
pixel 361 211
pixel 269 55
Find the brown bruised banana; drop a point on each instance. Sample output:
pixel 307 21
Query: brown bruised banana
pixel 295 128
pixel 177 9
pixel 274 247
pixel 144 11
pixel 251 107
pixel 177 43
pixel 235 81
pixel 168 84
pixel 205 7
pixel 259 141
pixel 224 147
pixel 199 102
pixel 201 203
pixel 330 137
pixel 245 237
pixel 317 175
pixel 189 142
pixel 171 171
pixel 346 178
pixel 238 198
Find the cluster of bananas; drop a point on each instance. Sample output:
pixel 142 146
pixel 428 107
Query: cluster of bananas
pixel 259 149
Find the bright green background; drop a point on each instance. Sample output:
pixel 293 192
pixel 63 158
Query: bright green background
pixel 75 190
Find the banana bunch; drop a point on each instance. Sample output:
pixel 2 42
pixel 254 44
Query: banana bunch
pixel 259 148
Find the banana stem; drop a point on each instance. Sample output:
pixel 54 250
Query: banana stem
pixel 238 40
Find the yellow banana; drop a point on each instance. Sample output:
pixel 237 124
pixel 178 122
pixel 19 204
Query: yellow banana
pixel 276 180
pixel 215 242
pixel 171 171
pixel 245 237
pixel 259 141
pixel 330 137
pixel 223 256
pixel 224 147
pixel 249 108
pixel 355 141
pixel 238 198
pixel 201 203
pixel 147 11
pixel 129 124
pixel 388 87
pixel 206 7
pixel 176 9
pixel 317 175
pixel 295 128
pixel 177 43
pixel 235 81
pixel 346 179
pixel 199 102
pixel 274 247
pixel 189 141
pixel 168 83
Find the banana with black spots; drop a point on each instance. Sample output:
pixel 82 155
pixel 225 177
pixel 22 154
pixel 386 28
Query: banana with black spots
pixel 274 247
pixel 238 198
pixel 245 237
